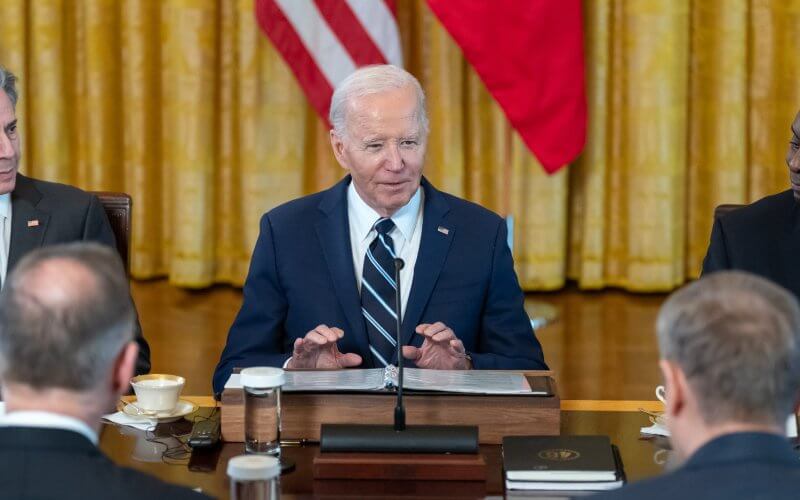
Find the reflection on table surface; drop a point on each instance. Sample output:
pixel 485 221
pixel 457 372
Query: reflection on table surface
pixel 145 451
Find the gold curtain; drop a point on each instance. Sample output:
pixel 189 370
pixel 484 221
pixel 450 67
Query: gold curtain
pixel 185 105
pixel 690 105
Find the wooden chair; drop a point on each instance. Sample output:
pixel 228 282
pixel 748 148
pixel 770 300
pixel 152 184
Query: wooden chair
pixel 118 209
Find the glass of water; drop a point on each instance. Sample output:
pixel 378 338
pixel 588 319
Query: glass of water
pixel 262 409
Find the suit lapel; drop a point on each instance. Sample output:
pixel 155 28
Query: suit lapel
pixel 333 231
pixel 434 245
pixel 28 223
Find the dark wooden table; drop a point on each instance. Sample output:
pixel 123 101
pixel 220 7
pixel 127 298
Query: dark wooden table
pixel 160 454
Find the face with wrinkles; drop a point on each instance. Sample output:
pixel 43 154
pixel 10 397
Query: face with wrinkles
pixel 383 148
pixel 9 145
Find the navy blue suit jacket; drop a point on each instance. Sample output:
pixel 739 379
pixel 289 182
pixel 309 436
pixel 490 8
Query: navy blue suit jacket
pixel 301 275
pixel 762 238
pixel 743 465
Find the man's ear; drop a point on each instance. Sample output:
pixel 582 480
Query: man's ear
pixel 337 144
pixel 124 367
pixel 674 386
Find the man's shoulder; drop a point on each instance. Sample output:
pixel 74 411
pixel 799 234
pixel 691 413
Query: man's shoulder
pixel 130 483
pixel 745 479
pixel 470 215
pixel 298 205
pixel 65 457
pixel 63 193
pixel 298 209
pixel 764 213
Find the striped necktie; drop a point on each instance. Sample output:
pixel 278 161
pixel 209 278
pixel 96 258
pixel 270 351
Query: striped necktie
pixel 378 295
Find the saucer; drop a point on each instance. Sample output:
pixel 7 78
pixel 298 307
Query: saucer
pixel 182 409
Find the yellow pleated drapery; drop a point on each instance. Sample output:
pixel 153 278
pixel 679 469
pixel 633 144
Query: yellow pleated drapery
pixel 185 105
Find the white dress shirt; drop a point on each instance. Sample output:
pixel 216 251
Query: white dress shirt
pixel 406 236
pixel 48 420
pixel 5 234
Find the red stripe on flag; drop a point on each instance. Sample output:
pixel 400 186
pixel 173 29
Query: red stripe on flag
pixel 392 6
pixel 530 56
pixel 350 32
pixel 278 28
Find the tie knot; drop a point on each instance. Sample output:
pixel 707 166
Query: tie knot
pixel 383 226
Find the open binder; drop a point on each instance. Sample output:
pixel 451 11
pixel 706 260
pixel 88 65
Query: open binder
pixel 414 379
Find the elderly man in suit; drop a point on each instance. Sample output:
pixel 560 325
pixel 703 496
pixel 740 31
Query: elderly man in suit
pixel 763 237
pixel 730 357
pixel 66 356
pixel 36 213
pixel 321 288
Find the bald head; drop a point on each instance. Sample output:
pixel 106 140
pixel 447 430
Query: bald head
pixel 65 314
pixel 59 283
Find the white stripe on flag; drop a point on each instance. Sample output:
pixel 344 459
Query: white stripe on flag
pixel 331 57
pixel 381 25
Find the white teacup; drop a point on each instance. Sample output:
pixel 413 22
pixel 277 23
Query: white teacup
pixel 157 392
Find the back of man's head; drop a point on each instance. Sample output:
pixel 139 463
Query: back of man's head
pixel 736 337
pixel 65 316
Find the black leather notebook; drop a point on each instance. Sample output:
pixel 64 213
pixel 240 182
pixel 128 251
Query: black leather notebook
pixel 559 458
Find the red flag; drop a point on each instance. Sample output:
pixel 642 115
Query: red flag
pixel 323 41
pixel 529 53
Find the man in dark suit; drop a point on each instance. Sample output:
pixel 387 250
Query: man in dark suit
pixel 36 213
pixel 763 237
pixel 66 356
pixel 321 288
pixel 730 357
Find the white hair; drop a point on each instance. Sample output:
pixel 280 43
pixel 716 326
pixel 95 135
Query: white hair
pixel 8 85
pixel 373 80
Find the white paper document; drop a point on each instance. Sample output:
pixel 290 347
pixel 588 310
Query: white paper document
pixel 563 486
pixel 414 379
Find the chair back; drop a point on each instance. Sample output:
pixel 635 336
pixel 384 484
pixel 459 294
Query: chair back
pixel 118 209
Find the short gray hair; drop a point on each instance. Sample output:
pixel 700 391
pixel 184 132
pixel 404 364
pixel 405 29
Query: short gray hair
pixel 736 336
pixel 65 315
pixel 374 79
pixel 8 84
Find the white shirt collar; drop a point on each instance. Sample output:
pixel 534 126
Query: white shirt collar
pixel 5 205
pixel 364 217
pixel 48 420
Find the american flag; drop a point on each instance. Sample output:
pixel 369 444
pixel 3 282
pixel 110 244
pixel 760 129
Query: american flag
pixel 323 41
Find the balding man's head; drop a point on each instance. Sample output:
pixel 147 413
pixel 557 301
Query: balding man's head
pixel 736 337
pixel 65 315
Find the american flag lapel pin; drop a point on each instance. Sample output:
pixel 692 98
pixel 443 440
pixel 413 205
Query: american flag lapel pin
pixel 443 230
pixel 33 223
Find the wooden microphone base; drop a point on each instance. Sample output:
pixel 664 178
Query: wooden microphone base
pixel 400 466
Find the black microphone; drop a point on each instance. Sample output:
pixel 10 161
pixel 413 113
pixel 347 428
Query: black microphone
pixel 370 438
pixel 399 410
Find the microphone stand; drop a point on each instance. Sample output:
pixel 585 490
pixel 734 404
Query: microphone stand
pixel 398 438
pixel 399 410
